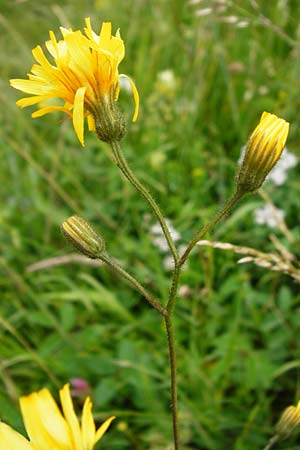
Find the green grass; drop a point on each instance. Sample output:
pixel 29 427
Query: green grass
pixel 238 330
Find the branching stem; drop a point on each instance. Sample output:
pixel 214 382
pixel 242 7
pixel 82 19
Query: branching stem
pixel 167 312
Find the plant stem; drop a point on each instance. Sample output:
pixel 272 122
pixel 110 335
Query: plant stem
pixel 171 306
pixel 173 290
pixel 172 352
pixel 218 216
pixel 172 359
pixel 271 442
pixel 116 268
pixel 165 312
pixel 124 167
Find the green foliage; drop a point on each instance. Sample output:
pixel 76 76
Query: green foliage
pixel 238 327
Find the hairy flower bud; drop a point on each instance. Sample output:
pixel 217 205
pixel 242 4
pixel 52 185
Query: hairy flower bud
pixel 263 150
pixel 77 231
pixel 288 421
pixel 109 121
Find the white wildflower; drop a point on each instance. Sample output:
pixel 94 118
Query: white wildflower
pixel 159 239
pixel 181 249
pixel 184 291
pixel 161 243
pixel 125 84
pixel 268 215
pixel 166 81
pixel 279 173
pixel 168 263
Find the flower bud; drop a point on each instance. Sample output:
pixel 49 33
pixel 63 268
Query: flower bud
pixel 77 231
pixel 110 123
pixel 288 421
pixel 263 150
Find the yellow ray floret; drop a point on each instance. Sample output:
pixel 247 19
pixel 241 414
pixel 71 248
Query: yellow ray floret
pixel 84 71
pixel 48 428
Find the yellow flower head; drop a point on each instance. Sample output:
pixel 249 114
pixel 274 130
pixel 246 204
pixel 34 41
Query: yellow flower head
pixel 48 428
pixel 84 75
pixel 263 150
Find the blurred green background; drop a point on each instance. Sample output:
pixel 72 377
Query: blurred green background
pixel 205 71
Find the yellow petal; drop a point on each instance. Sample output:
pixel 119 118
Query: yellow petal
pixel 11 440
pixel 40 56
pixel 78 114
pixel 44 422
pixel 89 32
pixel 113 44
pixel 101 430
pixel 91 122
pixel 29 101
pixel 88 428
pixel 79 51
pixel 49 109
pixel 265 115
pixel 135 97
pixel 70 416
pixel 51 45
pixel 105 35
pixel 30 86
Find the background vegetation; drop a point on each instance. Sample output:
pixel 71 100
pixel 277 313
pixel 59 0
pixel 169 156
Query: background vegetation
pixel 237 325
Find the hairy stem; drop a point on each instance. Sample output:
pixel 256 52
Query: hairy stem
pixel 124 167
pixel 172 360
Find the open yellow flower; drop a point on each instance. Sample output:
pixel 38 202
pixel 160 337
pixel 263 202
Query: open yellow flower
pixel 49 429
pixel 84 75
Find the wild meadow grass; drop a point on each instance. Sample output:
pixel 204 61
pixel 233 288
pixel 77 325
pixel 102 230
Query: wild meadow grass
pixel 237 325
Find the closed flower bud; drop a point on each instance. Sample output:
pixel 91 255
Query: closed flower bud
pixel 263 150
pixel 288 421
pixel 77 231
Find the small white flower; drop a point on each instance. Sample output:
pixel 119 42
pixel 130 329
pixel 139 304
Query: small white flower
pixel 161 243
pixel 279 174
pixel 125 84
pixel 168 263
pixel 167 77
pixel 166 81
pixel 268 215
pixel 181 249
pixel 156 229
pixel 159 239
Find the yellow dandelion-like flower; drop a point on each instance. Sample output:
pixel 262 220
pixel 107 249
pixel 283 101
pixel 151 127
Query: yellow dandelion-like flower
pixel 84 75
pixel 263 150
pixel 48 428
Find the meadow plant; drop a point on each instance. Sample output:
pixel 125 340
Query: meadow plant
pixel 86 80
